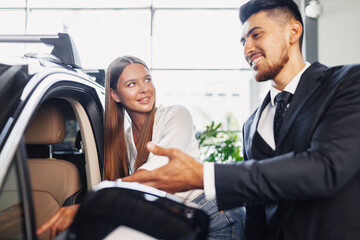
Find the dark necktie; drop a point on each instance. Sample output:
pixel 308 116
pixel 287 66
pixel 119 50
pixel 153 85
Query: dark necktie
pixel 281 100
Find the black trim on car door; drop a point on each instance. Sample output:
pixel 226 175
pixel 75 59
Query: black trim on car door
pixel 26 193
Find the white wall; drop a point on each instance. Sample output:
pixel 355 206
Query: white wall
pixel 339 32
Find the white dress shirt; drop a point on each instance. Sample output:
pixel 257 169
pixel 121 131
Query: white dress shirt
pixel 265 129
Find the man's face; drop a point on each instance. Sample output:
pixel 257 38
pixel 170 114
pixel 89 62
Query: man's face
pixel 265 46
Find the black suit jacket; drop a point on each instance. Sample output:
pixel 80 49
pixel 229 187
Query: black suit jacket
pixel 312 184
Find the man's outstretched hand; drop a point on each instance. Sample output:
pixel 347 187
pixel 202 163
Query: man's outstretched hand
pixel 180 174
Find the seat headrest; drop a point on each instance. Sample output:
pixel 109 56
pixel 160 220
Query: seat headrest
pixel 47 126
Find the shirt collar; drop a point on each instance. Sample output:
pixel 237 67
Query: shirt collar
pixel 291 87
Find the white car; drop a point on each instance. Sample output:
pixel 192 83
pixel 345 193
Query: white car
pixel 52 141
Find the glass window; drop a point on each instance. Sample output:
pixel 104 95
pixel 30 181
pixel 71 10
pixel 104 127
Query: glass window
pixel 72 137
pixel 17 26
pixel 199 3
pixel 12 21
pixel 11 207
pixel 100 35
pixel 12 4
pixel 220 96
pixel 197 39
pixel 192 47
pixel 88 3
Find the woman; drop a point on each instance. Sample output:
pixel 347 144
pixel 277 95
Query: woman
pixel 130 90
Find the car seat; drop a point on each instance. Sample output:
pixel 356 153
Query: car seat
pixel 55 182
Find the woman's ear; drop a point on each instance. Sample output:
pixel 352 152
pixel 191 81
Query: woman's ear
pixel 114 96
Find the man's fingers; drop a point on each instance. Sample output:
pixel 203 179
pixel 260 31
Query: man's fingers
pixel 139 177
pixel 157 150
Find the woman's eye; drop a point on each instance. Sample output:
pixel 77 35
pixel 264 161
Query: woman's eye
pixel 148 80
pixel 131 84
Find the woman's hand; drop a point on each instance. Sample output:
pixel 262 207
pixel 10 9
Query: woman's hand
pixel 60 221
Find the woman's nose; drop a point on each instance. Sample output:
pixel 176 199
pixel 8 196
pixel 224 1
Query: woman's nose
pixel 144 88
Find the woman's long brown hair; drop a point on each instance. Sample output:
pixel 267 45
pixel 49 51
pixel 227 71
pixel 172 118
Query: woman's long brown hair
pixel 116 158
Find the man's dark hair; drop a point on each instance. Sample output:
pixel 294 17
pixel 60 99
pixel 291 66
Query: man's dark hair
pixel 275 8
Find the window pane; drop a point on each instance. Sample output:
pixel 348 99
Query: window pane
pixel 69 143
pixel 17 26
pixel 197 39
pixel 11 209
pixel 12 3
pixel 221 96
pixel 88 3
pixel 198 3
pixel 12 21
pixel 101 35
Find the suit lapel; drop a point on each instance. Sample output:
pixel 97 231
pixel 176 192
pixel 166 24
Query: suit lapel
pixel 307 86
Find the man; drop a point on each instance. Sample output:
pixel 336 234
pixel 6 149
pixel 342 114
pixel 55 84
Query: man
pixel 299 182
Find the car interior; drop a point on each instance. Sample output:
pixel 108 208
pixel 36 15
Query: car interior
pixel 55 159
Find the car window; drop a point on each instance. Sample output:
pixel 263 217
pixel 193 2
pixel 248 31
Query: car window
pixel 72 138
pixel 11 207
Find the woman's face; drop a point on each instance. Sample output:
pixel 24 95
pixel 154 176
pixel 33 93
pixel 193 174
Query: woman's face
pixel 135 89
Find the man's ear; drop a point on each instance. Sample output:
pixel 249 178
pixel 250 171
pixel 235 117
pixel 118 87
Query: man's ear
pixel 114 95
pixel 295 31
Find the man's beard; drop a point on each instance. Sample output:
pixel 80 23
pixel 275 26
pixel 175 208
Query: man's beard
pixel 270 72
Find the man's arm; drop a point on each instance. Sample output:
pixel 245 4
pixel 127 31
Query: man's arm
pixel 182 173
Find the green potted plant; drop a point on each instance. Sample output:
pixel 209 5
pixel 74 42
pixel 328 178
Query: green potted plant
pixel 219 146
